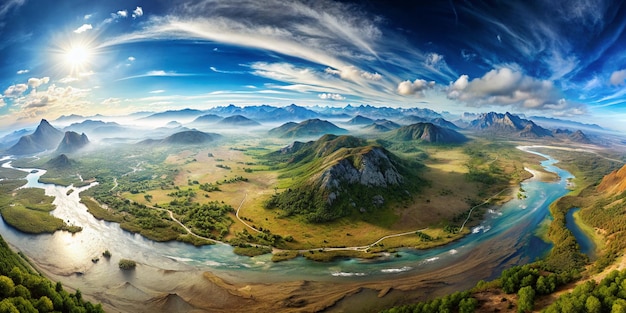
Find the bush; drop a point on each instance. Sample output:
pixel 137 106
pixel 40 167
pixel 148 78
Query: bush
pixel 126 264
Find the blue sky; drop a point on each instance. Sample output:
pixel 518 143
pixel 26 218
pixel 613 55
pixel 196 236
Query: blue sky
pixel 551 58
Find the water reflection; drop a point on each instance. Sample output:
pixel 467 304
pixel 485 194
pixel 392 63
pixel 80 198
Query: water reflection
pixel 506 237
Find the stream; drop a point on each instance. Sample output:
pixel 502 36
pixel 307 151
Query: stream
pixel 505 238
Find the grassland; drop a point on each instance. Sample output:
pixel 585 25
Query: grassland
pixel 28 209
pixel 206 187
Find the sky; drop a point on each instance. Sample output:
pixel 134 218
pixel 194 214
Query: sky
pixel 563 59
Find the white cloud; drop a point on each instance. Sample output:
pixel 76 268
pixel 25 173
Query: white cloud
pixel 157 91
pixel 36 82
pixel 15 90
pixel 618 77
pixel 2 103
pixel 510 87
pixel 20 72
pixel 131 58
pixel 87 16
pixel 137 12
pixel 157 73
pixel 122 13
pixel 331 96
pixel 433 60
pixel 417 87
pixel 83 28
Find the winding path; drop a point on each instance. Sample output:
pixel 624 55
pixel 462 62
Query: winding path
pixel 241 220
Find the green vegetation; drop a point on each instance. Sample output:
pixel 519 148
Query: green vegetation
pixel 607 296
pixel 249 250
pixel 461 302
pixel 24 290
pixel 320 194
pixel 27 209
pixel 126 264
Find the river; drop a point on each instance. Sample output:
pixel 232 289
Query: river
pixel 506 237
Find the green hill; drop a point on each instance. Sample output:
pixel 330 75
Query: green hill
pixel 336 176
pixel 306 129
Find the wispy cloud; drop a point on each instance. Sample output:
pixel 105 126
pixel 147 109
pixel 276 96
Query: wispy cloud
pixel 20 72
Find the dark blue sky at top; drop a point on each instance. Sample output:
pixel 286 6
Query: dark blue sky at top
pixel 551 58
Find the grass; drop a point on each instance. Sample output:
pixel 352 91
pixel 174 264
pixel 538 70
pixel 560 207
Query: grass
pixel 99 212
pixel 284 255
pixel 252 250
pixel 31 221
pixel 327 256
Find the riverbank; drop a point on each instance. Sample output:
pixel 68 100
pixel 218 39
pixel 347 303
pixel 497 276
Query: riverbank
pixel 171 276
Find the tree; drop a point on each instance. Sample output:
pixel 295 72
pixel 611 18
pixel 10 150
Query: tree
pixel 593 305
pixel 526 299
pixel 7 287
pixel 44 304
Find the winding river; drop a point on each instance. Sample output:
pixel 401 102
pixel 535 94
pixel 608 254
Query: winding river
pixel 506 237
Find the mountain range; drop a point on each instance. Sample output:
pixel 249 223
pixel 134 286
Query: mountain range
pixel 507 124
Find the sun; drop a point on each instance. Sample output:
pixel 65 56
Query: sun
pixel 77 57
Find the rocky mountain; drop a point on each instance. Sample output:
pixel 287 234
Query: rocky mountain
pixel 45 137
pixel 360 120
pixel 308 128
pixel 72 142
pixel 508 124
pixel 237 120
pixel 426 132
pixel 337 169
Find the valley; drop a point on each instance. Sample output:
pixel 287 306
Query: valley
pixel 368 210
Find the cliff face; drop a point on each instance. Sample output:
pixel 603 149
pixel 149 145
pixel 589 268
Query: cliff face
pixel 372 169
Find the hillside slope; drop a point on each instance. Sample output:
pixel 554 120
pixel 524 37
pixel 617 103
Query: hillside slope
pixel 336 176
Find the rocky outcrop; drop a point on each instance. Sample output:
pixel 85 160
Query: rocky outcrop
pixel 507 124
pixel 372 169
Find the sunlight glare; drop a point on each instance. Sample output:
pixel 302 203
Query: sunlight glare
pixel 77 57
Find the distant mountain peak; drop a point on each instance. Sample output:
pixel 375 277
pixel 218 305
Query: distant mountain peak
pixel 72 142
pixel 45 137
